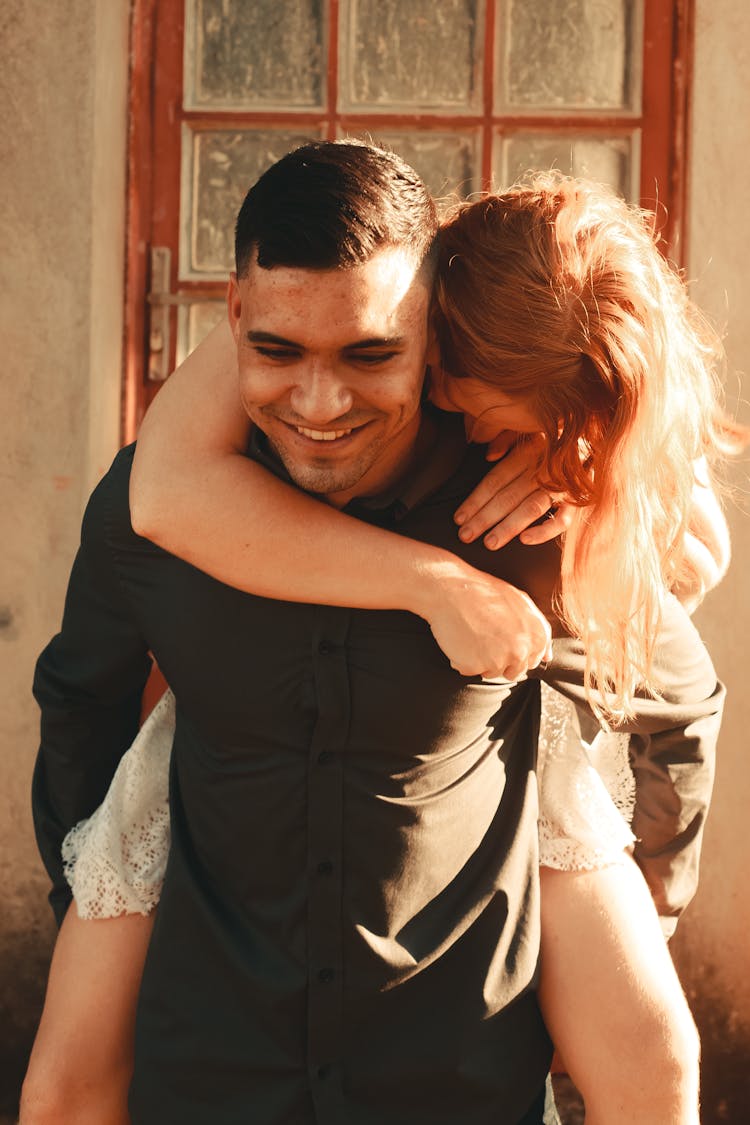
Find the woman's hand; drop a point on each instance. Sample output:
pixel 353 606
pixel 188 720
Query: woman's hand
pixel 485 626
pixel 509 501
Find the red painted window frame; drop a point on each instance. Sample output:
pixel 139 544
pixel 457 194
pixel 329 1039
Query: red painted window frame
pixel 156 116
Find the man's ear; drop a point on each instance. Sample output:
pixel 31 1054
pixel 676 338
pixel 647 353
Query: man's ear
pixel 234 305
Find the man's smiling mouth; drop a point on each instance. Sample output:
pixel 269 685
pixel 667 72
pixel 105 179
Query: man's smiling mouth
pixel 323 435
pixel 341 435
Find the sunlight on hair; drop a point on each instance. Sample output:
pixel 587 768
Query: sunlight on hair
pixel 555 292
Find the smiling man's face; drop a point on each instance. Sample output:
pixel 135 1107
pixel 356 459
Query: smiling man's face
pixel 331 366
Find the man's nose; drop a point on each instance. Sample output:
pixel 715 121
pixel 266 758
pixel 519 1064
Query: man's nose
pixel 321 396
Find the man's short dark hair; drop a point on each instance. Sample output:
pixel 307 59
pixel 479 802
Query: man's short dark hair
pixel 334 204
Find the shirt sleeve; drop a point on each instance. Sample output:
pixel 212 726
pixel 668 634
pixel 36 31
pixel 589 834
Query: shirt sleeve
pixel 88 684
pixel 672 752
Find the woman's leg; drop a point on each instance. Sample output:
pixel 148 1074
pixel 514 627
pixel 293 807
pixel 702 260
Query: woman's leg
pixel 82 1059
pixel 612 1001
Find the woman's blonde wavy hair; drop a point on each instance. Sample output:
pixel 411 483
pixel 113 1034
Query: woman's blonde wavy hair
pixel 555 291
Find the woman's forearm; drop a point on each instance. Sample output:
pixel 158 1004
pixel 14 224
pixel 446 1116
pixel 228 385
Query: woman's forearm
pixel 195 494
pixel 267 538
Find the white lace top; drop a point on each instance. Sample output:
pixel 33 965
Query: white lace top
pixel 586 791
pixel 115 860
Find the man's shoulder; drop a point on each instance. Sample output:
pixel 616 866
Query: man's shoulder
pixel 107 515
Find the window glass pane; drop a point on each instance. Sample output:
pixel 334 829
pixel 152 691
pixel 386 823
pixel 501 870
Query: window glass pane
pixel 569 55
pixel 269 53
pixel 218 167
pixel 194 322
pixel 411 56
pixel 447 162
pixel 608 160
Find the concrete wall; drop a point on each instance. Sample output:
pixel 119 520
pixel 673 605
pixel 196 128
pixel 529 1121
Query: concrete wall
pixel 712 946
pixel 63 88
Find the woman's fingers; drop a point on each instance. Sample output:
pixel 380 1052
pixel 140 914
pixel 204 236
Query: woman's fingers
pixel 501 486
pixel 560 519
pixel 521 663
pixel 507 513
pixel 534 507
pixel 519 464
pixel 535 516
pixel 487 627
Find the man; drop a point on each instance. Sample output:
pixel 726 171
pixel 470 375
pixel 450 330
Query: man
pixel 348 929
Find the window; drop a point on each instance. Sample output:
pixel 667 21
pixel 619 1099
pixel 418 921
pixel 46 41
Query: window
pixel 471 92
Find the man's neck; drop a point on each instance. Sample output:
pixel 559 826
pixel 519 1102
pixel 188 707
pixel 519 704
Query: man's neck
pixel 395 464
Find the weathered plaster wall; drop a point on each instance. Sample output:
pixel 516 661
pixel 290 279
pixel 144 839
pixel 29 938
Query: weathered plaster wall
pixel 63 83
pixel 713 942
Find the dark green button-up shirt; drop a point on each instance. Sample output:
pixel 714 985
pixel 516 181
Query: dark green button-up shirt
pixel 349 925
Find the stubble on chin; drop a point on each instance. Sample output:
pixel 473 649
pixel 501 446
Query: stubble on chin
pixel 324 480
pixel 318 479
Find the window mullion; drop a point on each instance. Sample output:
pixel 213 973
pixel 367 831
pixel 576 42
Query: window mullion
pixel 332 108
pixel 488 84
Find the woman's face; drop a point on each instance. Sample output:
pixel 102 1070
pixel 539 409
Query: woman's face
pixel 486 410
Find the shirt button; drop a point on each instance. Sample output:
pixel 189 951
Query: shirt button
pixel 325 976
pixel 324 756
pixel 325 648
pixel 325 867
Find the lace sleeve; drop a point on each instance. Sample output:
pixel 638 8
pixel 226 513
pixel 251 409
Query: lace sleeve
pixel 115 860
pixel 586 793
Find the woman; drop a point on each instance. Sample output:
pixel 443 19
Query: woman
pixel 554 312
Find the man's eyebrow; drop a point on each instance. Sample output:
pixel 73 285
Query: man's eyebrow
pixel 271 338
pixel 378 342
pixel 358 345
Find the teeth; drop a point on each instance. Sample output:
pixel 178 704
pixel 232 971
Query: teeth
pixel 323 435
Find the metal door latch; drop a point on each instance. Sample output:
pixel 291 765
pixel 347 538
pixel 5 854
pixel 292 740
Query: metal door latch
pixel 159 328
